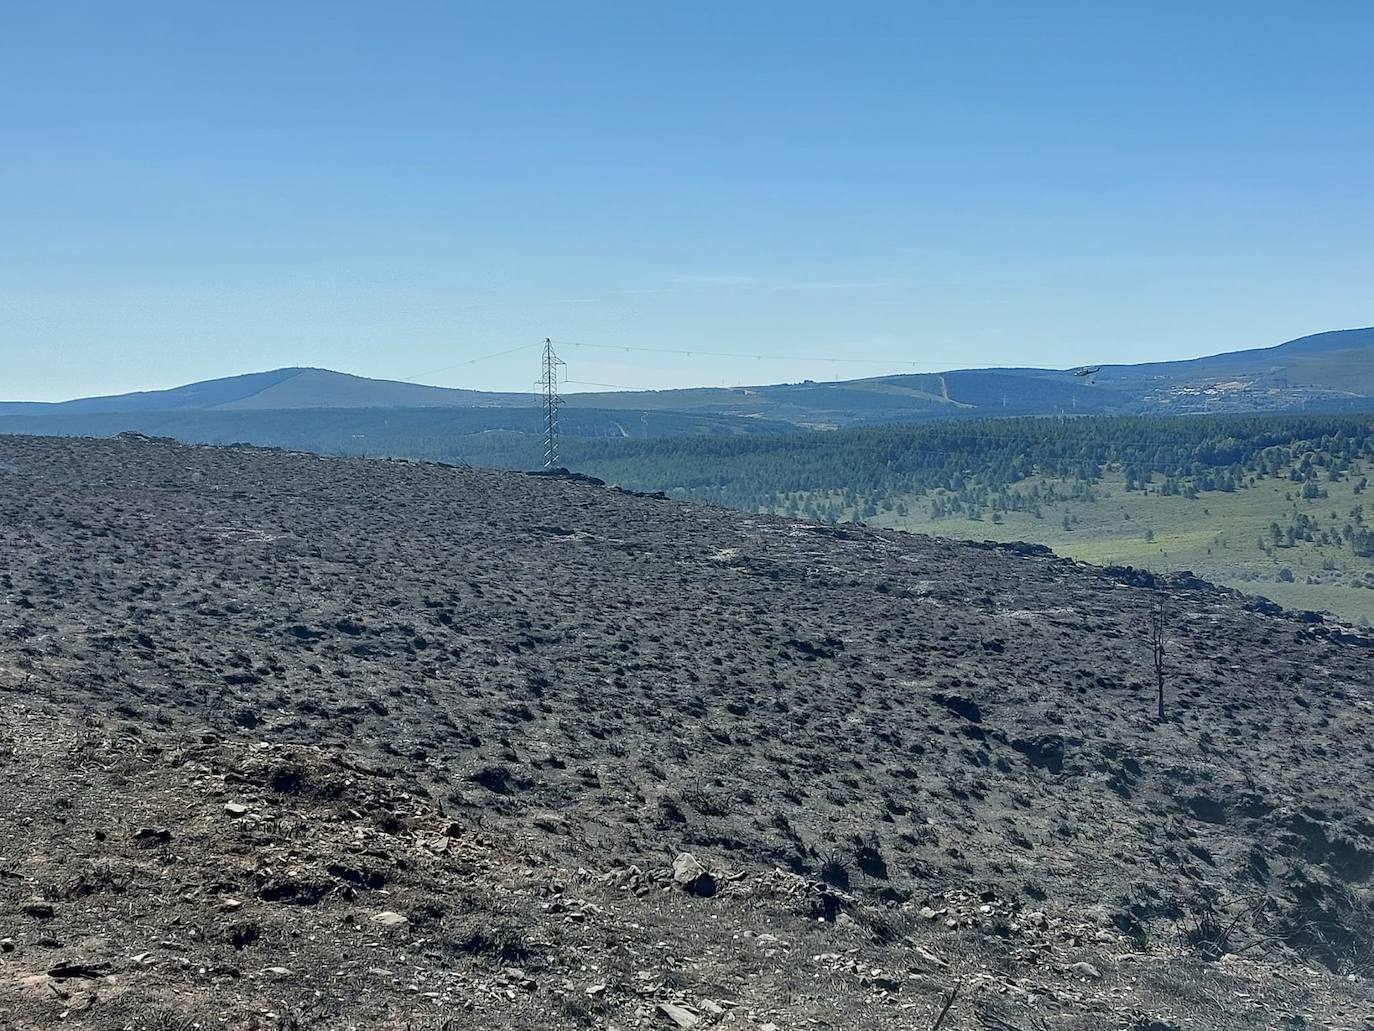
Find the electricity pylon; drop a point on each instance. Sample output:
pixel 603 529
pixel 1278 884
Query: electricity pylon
pixel 548 385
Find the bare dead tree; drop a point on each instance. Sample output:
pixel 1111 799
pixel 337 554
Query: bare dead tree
pixel 949 997
pixel 1158 624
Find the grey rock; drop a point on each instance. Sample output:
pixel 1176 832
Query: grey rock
pixel 690 875
pixel 679 1015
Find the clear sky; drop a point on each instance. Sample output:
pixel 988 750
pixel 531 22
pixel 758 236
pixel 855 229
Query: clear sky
pixel 196 189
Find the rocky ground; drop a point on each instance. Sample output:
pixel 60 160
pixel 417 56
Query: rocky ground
pixel 294 742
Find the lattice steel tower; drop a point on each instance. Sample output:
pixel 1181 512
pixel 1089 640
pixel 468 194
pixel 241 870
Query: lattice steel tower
pixel 548 386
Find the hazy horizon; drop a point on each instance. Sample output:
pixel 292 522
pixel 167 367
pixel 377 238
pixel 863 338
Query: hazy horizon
pixel 193 193
pixel 533 349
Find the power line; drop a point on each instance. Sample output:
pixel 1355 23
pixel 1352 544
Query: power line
pixel 690 353
pixel 470 361
pixel 759 357
pixel 621 386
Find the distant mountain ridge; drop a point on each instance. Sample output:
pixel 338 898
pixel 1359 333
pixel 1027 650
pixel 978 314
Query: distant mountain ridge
pixel 1340 360
pixel 277 390
pixel 1324 371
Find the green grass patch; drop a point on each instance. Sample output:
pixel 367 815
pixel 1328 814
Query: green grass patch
pixel 1221 536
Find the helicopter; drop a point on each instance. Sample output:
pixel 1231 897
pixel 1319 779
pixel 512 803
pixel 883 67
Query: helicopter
pixel 1092 371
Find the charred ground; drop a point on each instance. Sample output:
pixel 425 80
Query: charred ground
pixel 293 741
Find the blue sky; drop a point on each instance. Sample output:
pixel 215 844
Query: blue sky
pixel 192 189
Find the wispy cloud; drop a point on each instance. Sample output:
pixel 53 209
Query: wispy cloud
pixel 734 281
pixel 715 279
pixel 834 284
pixel 775 282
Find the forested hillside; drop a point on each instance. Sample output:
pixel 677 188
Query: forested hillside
pixel 981 462
pixel 1275 504
pixel 498 437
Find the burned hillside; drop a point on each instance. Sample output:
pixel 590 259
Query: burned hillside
pixel 306 742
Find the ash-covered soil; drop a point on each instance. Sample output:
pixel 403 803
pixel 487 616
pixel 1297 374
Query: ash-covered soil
pixel 294 742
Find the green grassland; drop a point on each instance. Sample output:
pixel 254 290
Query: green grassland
pixel 1217 535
